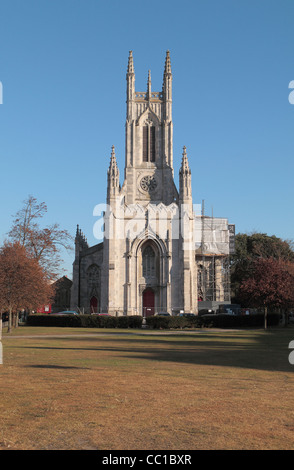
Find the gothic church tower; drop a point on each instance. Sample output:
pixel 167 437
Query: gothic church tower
pixel 149 140
pixel 144 266
pixel 157 254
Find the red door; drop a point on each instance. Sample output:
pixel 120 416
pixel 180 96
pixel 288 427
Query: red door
pixel 148 302
pixel 93 304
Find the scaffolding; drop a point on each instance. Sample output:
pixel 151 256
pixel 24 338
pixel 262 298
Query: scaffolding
pixel 213 249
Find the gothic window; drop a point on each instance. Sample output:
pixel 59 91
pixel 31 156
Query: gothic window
pixel 145 144
pixel 148 262
pixel 93 275
pixel 152 143
pixel 148 144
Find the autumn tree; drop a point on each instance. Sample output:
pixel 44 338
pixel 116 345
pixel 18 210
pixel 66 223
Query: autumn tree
pixel 23 282
pixel 269 285
pixel 44 244
pixel 249 248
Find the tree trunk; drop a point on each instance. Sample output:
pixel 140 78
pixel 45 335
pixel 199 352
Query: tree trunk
pixel 265 317
pixel 9 321
pixel 16 319
pixel 286 313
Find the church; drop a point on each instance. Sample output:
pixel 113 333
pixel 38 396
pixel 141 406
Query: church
pixel 159 253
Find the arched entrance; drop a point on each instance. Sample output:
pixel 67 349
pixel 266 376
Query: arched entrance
pixel 148 302
pixel 93 304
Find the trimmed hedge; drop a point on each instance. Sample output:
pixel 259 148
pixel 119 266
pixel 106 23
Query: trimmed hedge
pixel 85 321
pixel 154 322
pixel 158 322
pixel 238 321
pixel 213 321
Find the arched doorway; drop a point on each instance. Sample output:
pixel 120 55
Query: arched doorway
pixel 93 304
pixel 148 302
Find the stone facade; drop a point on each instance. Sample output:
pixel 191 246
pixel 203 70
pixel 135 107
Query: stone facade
pixel 62 295
pixel 148 259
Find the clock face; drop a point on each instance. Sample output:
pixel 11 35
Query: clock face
pixel 148 183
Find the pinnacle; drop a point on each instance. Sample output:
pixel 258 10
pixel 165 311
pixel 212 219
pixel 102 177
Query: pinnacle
pixel 113 157
pixel 131 63
pixel 185 163
pixel 113 163
pixel 149 83
pixel 167 68
pixel 80 237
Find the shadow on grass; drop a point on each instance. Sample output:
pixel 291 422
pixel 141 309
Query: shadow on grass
pixel 53 366
pixel 250 350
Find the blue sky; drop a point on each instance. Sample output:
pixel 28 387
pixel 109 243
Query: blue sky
pixel 63 72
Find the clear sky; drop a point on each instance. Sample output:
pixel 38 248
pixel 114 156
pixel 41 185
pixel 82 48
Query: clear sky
pixel 63 73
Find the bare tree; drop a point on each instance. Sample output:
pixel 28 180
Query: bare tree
pixel 44 244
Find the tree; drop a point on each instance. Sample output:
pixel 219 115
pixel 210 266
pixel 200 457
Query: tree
pixel 23 283
pixel 269 285
pixel 249 248
pixel 44 244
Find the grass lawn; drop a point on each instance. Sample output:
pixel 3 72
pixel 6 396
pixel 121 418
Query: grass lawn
pixel 103 389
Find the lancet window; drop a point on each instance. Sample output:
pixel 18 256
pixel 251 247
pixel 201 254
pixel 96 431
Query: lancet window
pixel 93 275
pixel 148 262
pixel 149 143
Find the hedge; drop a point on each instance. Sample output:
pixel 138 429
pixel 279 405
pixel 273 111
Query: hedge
pixel 212 321
pixel 238 321
pixel 85 321
pixel 158 322
pixel 154 322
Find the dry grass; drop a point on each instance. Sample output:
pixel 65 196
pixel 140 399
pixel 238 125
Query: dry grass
pixel 132 390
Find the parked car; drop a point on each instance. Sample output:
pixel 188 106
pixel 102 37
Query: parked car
pixel 5 316
pixel 187 315
pixel 66 312
pixel 162 314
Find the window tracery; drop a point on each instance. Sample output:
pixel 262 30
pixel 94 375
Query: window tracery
pixel 149 142
pixel 148 259
pixel 93 275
